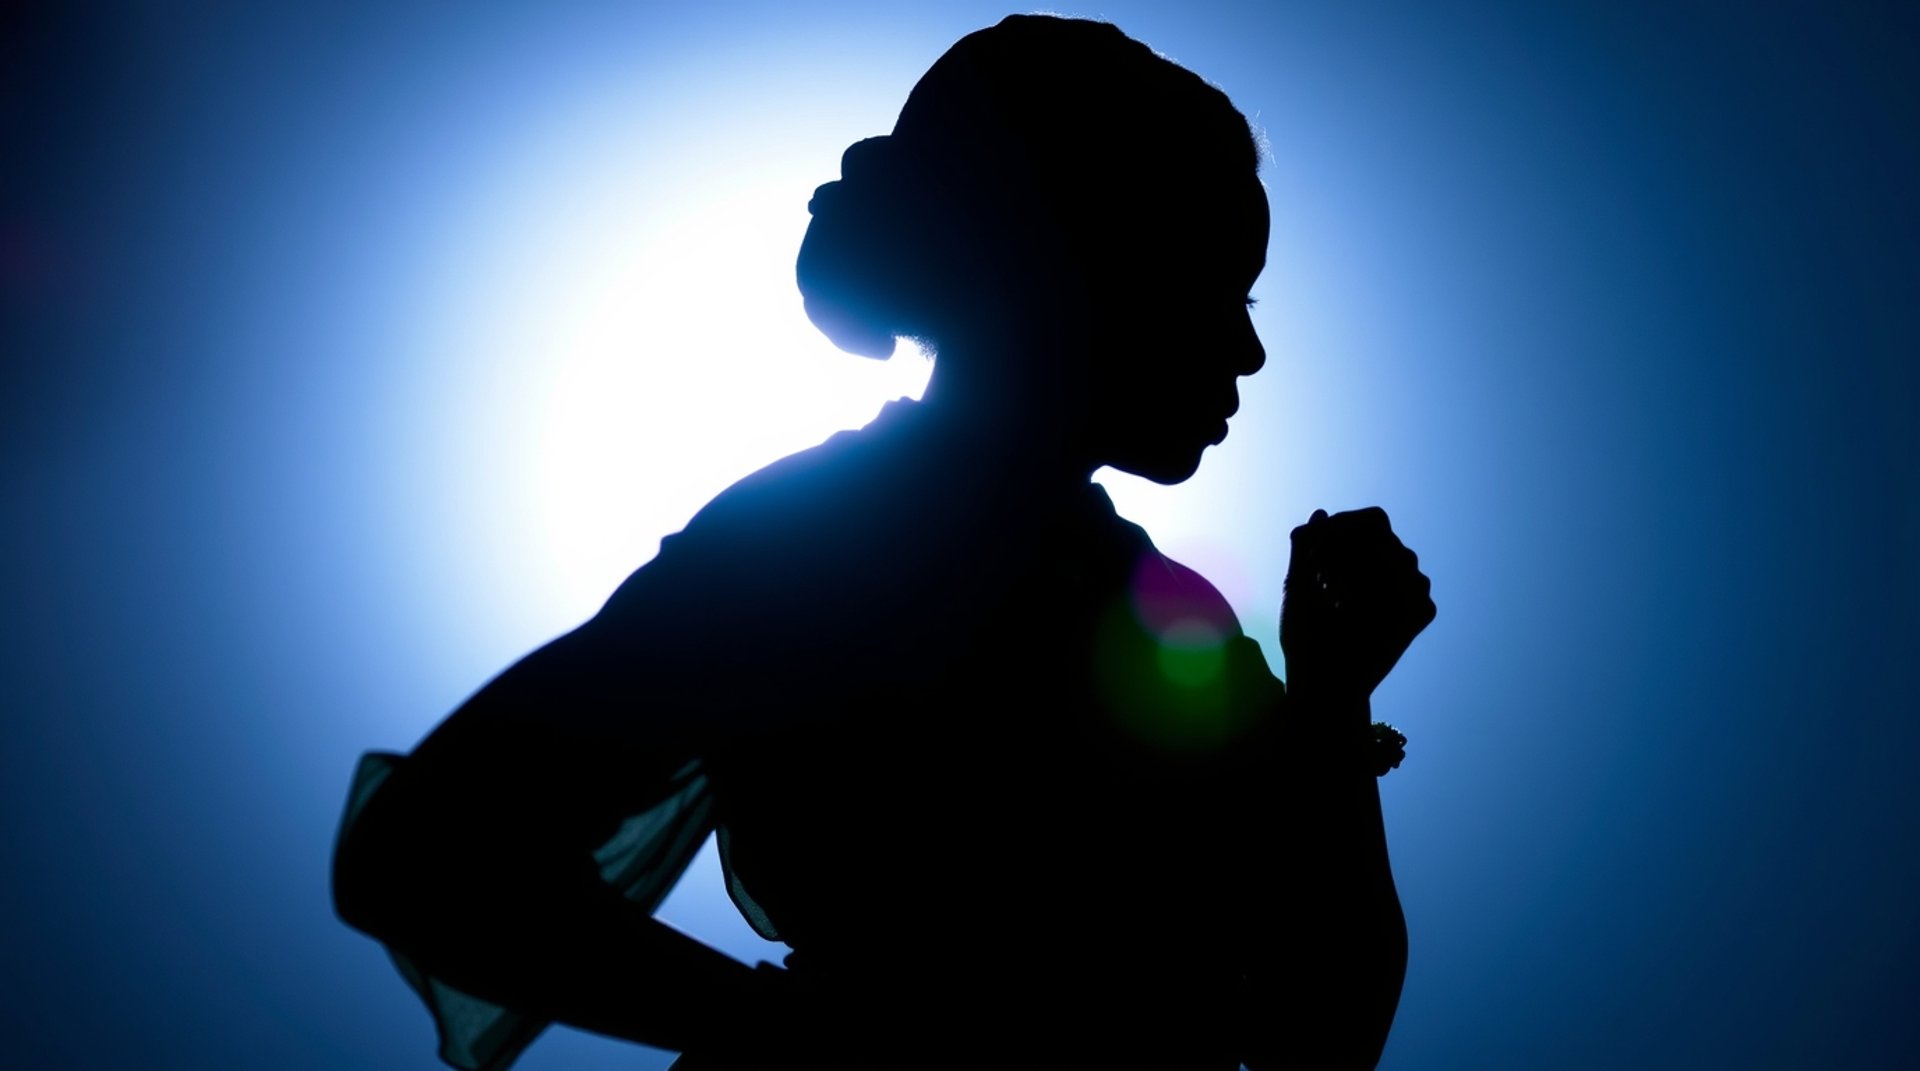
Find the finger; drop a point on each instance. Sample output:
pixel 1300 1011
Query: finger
pixel 1304 562
pixel 1307 537
pixel 1357 553
pixel 1369 525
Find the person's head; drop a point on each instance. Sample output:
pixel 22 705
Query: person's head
pixel 1071 222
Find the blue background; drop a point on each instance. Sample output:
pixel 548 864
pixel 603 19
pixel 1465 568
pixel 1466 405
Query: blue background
pixel 1614 307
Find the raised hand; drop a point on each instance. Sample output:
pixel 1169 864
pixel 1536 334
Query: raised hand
pixel 1355 599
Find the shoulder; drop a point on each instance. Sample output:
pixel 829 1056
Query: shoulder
pixel 1199 598
pixel 831 487
pixel 797 548
pixel 1166 594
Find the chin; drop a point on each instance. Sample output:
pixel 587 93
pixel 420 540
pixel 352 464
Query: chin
pixel 1168 468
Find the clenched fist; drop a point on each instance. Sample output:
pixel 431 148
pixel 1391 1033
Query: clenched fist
pixel 1355 599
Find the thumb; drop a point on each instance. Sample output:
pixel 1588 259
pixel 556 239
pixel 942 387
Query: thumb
pixel 1305 541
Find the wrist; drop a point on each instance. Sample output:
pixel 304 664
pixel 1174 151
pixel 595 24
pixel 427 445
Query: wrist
pixel 1336 727
pixel 1328 700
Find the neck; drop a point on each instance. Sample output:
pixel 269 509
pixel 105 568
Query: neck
pixel 1013 410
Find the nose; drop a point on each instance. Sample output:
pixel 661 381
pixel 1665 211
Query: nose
pixel 1250 355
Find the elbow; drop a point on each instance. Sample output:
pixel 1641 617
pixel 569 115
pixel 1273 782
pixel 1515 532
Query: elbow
pixel 423 873
pixel 396 888
pixel 390 873
pixel 372 892
pixel 481 933
pixel 364 879
pixel 463 880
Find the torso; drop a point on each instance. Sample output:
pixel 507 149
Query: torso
pixel 1013 792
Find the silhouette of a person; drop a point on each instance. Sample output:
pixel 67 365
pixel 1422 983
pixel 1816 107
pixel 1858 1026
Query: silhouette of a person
pixel 1014 787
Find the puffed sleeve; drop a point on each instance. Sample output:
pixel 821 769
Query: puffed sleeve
pixel 585 770
pixel 582 765
pixel 642 860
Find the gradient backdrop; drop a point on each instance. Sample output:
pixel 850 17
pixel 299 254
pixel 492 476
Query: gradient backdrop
pixel 351 351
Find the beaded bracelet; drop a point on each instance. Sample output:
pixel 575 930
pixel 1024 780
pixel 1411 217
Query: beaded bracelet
pixel 1389 748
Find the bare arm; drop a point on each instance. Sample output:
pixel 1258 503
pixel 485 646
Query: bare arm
pixel 1325 992
pixel 1328 985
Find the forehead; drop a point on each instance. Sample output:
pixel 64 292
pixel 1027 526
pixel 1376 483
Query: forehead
pixel 1206 233
pixel 1249 224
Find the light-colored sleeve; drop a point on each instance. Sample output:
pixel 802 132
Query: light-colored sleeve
pixel 642 860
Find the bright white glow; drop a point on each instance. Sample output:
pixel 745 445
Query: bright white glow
pixel 625 342
pixel 681 366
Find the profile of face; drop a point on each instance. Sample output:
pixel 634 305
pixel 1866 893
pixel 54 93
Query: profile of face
pixel 1171 330
pixel 1075 223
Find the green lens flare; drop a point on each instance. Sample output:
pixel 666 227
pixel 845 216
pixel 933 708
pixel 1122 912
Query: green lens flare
pixel 1191 653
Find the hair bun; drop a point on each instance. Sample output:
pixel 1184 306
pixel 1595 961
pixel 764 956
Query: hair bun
pixel 849 269
pixel 864 161
pixel 867 158
pixel 824 196
pixel 1006 177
